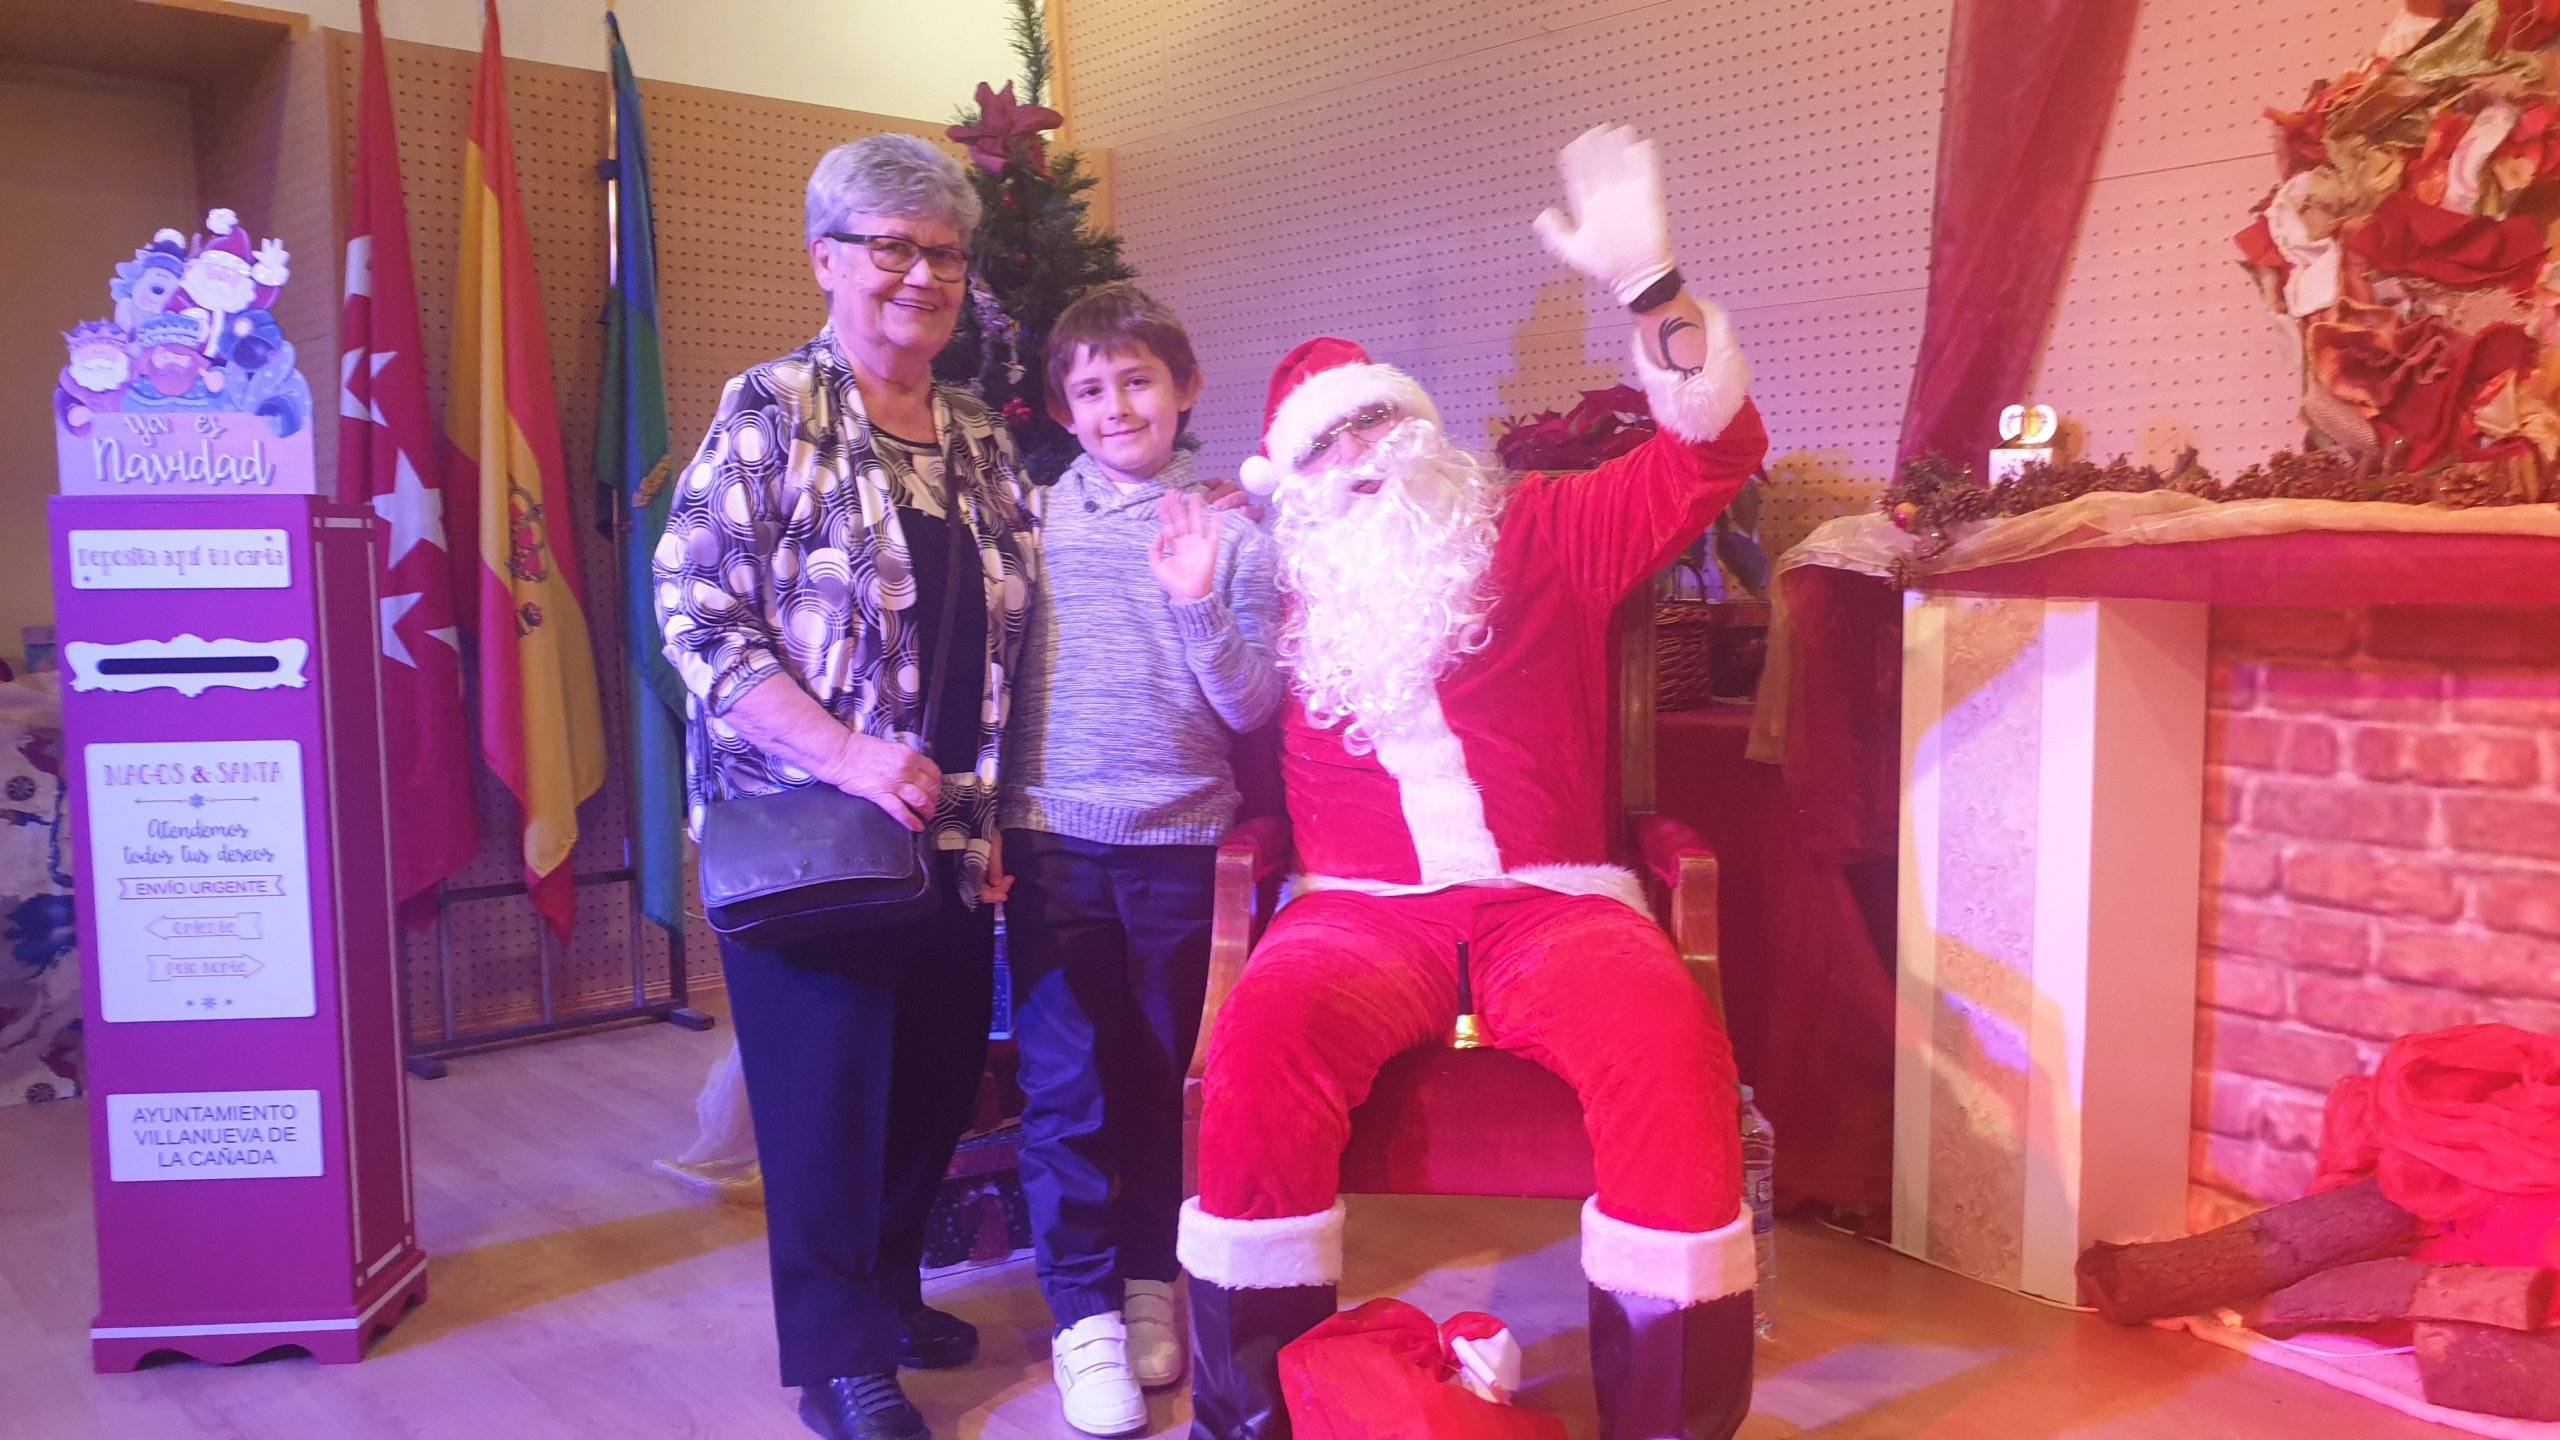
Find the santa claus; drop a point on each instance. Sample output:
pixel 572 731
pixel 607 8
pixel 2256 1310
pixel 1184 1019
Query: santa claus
pixel 224 281
pixel 1444 763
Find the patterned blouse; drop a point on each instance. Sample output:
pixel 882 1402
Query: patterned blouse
pixel 785 553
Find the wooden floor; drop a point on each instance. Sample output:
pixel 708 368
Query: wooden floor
pixel 578 1293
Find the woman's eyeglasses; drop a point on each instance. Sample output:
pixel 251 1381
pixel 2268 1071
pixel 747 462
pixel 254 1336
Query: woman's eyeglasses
pixel 1365 422
pixel 897 255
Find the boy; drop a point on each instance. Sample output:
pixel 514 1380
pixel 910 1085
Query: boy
pixel 1150 647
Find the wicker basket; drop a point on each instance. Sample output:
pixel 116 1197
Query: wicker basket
pixel 1707 650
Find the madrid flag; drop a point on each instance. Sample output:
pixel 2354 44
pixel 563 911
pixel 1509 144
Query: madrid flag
pixel 388 453
pixel 541 724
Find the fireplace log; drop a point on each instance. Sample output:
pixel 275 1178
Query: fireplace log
pixel 2491 1370
pixel 2379 1290
pixel 2244 1260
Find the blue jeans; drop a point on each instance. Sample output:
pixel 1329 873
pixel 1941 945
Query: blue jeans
pixel 1110 952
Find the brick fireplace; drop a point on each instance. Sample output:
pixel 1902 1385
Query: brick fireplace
pixel 2381 856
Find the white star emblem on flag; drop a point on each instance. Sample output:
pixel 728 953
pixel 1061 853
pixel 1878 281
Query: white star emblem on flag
pixel 414 512
pixel 393 647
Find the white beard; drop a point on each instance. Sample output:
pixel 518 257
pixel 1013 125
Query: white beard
pixel 1389 587
pixel 221 283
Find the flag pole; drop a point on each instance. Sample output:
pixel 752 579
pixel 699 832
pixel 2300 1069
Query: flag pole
pixel 613 172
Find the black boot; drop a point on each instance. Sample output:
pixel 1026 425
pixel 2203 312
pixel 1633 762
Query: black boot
pixel 1236 1337
pixel 1666 1371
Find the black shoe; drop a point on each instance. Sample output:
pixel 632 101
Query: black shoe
pixel 862 1407
pixel 931 1339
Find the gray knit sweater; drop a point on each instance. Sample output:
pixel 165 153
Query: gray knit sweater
pixel 1124 702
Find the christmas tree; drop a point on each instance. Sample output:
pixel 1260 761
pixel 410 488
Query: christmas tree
pixel 1032 254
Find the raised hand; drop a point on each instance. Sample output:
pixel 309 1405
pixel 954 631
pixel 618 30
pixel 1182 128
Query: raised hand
pixel 1619 233
pixel 270 268
pixel 1185 553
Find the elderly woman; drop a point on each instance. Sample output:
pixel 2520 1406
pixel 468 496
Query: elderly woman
pixel 807 563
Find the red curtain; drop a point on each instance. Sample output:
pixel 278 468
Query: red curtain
pixel 2030 86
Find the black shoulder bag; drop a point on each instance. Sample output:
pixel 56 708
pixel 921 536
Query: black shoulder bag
pixel 812 862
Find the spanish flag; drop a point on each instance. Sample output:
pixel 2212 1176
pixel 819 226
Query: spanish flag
pixel 541 724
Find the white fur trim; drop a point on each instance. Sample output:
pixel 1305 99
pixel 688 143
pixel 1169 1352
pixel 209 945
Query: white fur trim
pixel 221 222
pixel 1328 395
pixel 1291 1251
pixel 1258 475
pixel 1698 407
pixel 1490 1368
pixel 1685 1267
pixel 1605 880
pixel 1617 882
pixel 1304 884
pixel 1443 808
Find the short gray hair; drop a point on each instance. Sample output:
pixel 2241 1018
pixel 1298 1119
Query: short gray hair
pixel 900 175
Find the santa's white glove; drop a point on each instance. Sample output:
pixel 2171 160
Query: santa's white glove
pixel 1619 234
pixel 271 268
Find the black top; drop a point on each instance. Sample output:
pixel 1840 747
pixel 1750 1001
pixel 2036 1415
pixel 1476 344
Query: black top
pixel 961 678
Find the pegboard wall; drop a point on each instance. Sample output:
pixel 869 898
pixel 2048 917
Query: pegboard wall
pixel 2161 341
pixel 263 149
pixel 1369 170
pixel 734 289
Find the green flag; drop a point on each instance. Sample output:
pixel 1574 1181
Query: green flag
pixel 631 468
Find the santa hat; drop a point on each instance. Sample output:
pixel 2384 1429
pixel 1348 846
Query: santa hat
pixel 228 237
pixel 1316 384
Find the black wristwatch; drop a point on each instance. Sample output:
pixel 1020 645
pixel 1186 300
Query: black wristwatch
pixel 1660 293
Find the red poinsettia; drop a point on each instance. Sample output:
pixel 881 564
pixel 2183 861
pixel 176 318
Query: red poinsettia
pixel 1001 121
pixel 1605 425
pixel 2407 236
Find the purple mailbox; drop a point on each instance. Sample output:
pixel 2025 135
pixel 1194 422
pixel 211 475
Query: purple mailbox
pixel 249 1141
pixel 249 1138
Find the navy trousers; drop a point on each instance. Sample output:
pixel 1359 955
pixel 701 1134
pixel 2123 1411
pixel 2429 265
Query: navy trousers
pixel 862 1061
pixel 1109 946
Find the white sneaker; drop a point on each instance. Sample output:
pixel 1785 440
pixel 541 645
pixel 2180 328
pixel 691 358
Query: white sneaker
pixel 1090 1360
pixel 1155 1336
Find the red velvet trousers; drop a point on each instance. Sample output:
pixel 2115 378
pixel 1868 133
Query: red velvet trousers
pixel 1585 986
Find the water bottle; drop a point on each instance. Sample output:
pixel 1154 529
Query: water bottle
pixel 1759 1166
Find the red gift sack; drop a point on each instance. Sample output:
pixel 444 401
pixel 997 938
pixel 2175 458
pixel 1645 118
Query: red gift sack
pixel 2462 1129
pixel 1387 1371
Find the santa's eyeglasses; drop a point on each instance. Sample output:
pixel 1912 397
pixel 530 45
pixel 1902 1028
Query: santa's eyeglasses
pixel 897 255
pixel 1367 423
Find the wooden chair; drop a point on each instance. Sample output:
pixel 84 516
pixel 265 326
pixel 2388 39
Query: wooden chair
pixel 1476 1122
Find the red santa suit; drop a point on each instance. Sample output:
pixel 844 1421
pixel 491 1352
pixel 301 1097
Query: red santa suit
pixel 1485 820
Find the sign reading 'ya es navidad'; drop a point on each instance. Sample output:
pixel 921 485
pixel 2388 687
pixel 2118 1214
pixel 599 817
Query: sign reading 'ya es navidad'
pixel 200 857
pixel 189 387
